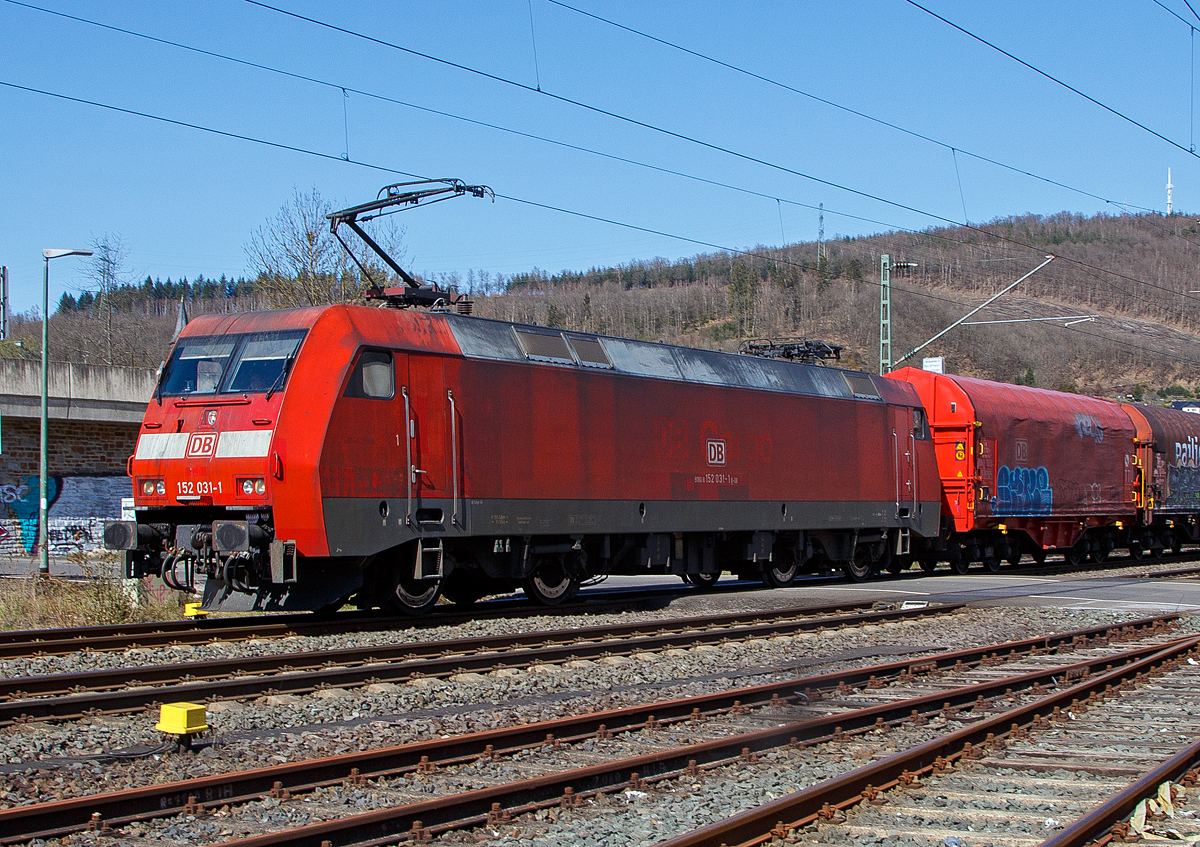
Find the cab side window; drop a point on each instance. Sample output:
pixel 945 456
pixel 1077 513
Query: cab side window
pixel 373 376
pixel 920 429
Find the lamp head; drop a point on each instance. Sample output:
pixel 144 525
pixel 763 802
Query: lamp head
pixel 54 253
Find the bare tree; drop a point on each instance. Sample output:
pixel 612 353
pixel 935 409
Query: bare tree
pixel 299 262
pixel 107 269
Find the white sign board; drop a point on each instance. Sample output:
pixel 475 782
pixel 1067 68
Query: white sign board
pixel 935 364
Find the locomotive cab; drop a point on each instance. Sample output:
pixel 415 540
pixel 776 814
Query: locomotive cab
pixel 204 469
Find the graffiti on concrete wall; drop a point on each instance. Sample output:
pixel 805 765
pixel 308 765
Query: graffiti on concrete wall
pixel 78 508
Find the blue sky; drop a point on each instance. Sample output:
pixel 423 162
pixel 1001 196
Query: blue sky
pixel 186 202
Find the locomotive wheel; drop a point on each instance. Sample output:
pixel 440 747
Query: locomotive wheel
pixel 858 569
pixel 703 581
pixel 928 564
pixel 550 584
pixel 961 565
pixel 415 596
pixel 992 563
pixel 779 575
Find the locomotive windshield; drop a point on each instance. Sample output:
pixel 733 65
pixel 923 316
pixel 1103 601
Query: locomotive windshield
pixel 248 363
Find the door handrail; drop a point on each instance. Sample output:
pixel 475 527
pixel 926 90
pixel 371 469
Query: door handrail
pixel 408 472
pixel 453 458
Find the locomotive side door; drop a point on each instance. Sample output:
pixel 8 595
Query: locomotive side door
pixel 903 458
pixel 428 453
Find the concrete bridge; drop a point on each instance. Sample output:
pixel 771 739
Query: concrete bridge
pixel 95 413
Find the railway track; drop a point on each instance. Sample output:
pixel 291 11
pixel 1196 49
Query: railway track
pixel 57 642
pixel 115 691
pixel 686 738
pixel 1089 752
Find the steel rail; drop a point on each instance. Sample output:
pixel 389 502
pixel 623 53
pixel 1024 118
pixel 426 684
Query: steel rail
pixel 498 803
pixel 371 664
pixel 780 817
pixel 57 818
pixel 1099 822
pixel 24 643
pixel 66 683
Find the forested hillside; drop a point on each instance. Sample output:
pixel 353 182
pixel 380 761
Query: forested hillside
pixel 1135 272
pixel 1138 274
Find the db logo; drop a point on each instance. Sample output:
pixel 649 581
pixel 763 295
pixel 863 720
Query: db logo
pixel 716 451
pixel 200 444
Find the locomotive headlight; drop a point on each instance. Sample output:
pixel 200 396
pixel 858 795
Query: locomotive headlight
pixel 160 488
pixel 252 486
pixel 153 488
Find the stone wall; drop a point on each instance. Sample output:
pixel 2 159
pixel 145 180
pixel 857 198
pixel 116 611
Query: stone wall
pixel 87 481
pixel 88 448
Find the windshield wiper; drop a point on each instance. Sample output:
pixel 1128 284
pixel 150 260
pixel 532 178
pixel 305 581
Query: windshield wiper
pixel 159 384
pixel 287 365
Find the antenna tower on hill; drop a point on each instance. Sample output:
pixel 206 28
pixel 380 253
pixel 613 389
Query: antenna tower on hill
pixel 1169 187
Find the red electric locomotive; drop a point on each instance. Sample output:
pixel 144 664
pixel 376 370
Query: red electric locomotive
pixel 301 458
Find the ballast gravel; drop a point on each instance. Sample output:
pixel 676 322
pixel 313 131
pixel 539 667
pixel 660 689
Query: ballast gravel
pixel 280 728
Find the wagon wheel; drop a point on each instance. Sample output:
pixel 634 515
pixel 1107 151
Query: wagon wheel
pixel 1014 554
pixel 1039 555
pixel 779 575
pixel 415 596
pixel 550 584
pixel 859 569
pixel 1157 551
pixel 1099 556
pixel 1176 543
pixel 1136 551
pixel 703 581
pixel 992 563
pixel 1076 555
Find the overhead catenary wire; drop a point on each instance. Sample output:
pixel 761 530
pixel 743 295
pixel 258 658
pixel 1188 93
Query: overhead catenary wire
pixel 346 90
pixel 332 157
pixel 531 203
pixel 500 128
pixel 279 145
pixel 1050 77
pixel 834 104
pixel 700 142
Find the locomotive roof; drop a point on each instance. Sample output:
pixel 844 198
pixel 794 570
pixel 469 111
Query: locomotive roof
pixel 484 338
pixel 496 340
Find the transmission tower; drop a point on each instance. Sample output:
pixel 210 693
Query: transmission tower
pixel 885 314
pixel 821 235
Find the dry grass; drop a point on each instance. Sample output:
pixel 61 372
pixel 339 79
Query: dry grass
pixel 95 599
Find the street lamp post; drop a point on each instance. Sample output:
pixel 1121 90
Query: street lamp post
pixel 43 502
